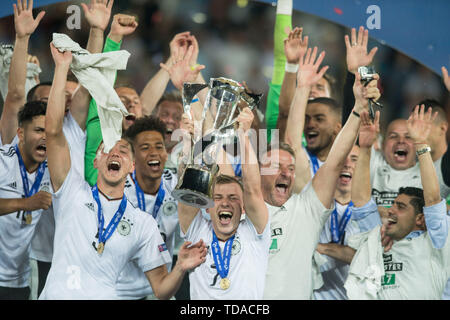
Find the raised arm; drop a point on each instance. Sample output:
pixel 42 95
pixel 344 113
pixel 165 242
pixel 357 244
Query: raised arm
pixel 25 25
pixel 419 126
pixel 155 87
pixel 181 70
pixel 307 76
pixel 121 25
pixel 361 187
pixel 254 205
pixel 294 48
pixel 326 177
pixel 58 154
pixel 97 15
pixel 356 56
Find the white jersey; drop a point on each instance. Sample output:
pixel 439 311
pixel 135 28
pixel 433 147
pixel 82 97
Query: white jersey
pixel 78 271
pixel 334 272
pixel 248 263
pixel 414 270
pixel 386 181
pixel 15 235
pixel 133 283
pixel 42 243
pixel 295 230
pixel 14 142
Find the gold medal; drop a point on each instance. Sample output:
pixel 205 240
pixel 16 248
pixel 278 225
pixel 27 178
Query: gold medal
pixel 100 248
pixel 224 284
pixel 28 218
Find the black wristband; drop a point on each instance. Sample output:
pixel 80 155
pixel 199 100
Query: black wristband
pixel 356 114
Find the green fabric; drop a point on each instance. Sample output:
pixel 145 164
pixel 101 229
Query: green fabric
pixel 93 129
pixel 279 59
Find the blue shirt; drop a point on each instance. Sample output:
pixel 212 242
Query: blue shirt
pixel 436 219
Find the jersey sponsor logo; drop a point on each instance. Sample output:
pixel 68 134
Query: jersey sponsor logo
pixel 162 247
pixel 388 279
pixel 384 198
pixel 13 185
pixel 10 152
pixel 393 266
pixel 387 257
pixel 274 244
pixel 127 184
pixel 277 232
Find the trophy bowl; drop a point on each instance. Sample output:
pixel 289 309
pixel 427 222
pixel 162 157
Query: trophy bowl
pixel 224 100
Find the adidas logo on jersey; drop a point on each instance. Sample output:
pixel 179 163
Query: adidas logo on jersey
pixel 13 185
pixel 90 206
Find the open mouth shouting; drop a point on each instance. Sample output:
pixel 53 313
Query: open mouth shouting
pixel 225 217
pixel 41 150
pixel 345 177
pixel 311 136
pixel 282 188
pixel 154 165
pixel 400 153
pixel 114 166
pixel 391 221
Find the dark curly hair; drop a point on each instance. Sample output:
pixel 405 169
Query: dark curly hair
pixel 30 110
pixel 147 123
pixel 417 199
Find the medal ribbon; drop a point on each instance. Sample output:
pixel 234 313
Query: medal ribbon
pixel 140 196
pixel 337 227
pixel 222 262
pixel 314 162
pixel 23 173
pixel 104 236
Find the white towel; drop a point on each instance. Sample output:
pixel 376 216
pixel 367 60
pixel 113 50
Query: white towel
pixel 367 268
pixel 33 70
pixel 96 72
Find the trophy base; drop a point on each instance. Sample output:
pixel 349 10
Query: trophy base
pixel 194 186
pixel 192 198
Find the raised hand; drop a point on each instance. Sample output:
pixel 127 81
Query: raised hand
pixel 63 59
pixel 357 55
pixel 24 22
pixel 191 256
pixel 308 73
pixel 419 124
pixel 179 45
pixel 181 70
pixel 363 93
pixel 122 25
pixel 245 119
pixel 192 41
pixel 294 46
pixel 368 131
pixel 98 13
pixel 446 78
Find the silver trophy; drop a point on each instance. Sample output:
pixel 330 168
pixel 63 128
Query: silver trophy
pixel 225 99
